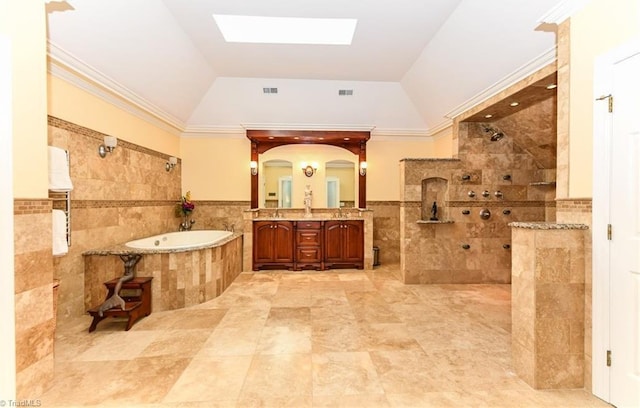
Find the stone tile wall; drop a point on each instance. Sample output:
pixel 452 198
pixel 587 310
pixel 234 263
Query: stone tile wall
pixel 386 230
pixel 579 211
pixel 434 252
pixel 180 279
pixel 127 195
pixel 35 320
pixel 548 307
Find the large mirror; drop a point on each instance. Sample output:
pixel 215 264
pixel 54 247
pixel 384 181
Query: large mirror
pixel 335 154
pixel 340 181
pixel 276 184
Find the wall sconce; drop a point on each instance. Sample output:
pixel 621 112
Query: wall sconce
pixel 254 167
pixel 110 143
pixel 363 168
pixel 309 169
pixel 171 163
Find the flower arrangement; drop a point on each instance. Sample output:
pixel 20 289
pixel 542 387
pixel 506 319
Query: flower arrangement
pixel 185 207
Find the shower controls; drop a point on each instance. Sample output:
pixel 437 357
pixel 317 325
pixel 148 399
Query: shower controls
pixel 486 194
pixel 466 212
pixel 506 212
pixel 466 246
pixel 466 177
pixel 498 194
pixel 506 246
pixel 471 193
pixel 506 177
pixel 485 214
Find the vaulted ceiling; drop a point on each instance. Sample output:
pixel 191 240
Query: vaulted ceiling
pixel 412 65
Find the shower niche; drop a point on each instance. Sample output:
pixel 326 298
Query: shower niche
pixel 435 195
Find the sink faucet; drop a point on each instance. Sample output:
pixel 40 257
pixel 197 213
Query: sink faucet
pixel 275 213
pixel 186 226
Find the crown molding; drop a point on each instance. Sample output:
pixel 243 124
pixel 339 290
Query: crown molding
pixel 65 66
pixel 234 132
pixel 307 126
pixel 562 11
pixel 519 74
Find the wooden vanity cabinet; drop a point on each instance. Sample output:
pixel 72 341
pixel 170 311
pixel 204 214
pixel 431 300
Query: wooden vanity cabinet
pixel 309 245
pixel 344 244
pixel 273 245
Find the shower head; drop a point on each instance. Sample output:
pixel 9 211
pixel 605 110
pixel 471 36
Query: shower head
pixel 496 136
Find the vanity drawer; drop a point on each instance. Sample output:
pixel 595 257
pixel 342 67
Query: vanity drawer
pixel 309 225
pixel 310 254
pixel 308 238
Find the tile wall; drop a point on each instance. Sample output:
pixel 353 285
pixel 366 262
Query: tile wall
pixel 126 195
pixel 435 252
pixel 548 307
pixel 35 321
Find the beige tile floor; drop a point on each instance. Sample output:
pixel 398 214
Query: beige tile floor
pixel 306 339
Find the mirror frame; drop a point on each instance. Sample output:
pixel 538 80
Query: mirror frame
pixel 353 141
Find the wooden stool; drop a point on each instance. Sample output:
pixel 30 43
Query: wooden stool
pixel 136 306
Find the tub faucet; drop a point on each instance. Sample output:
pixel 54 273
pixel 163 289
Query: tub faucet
pixel 228 227
pixel 186 225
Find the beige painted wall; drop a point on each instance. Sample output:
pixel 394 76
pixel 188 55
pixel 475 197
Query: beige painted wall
pixel 383 159
pixel 216 168
pixel 24 24
pixel 67 101
pixel 600 26
pixel 443 143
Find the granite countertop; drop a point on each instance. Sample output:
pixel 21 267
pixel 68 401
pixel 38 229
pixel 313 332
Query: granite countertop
pixel 303 218
pixel 548 226
pixel 122 249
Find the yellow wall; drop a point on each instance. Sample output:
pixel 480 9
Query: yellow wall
pixel 600 26
pixel 68 102
pixel 443 143
pixel 23 22
pixel 383 159
pixel 216 168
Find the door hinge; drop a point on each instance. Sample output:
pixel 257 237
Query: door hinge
pixel 608 358
pixel 609 232
pixel 609 99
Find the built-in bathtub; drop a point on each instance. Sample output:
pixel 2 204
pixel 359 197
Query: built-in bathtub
pixel 188 268
pixel 185 240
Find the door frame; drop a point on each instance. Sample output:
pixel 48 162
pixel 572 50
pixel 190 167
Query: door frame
pixel 602 132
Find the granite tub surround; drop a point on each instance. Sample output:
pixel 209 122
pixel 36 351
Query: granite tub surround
pixel 34 302
pixel 548 304
pixel 128 194
pixel 298 214
pixel 181 277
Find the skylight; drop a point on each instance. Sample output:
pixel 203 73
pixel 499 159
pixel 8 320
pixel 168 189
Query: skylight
pixel 286 30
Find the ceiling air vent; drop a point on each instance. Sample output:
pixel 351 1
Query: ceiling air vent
pixel 345 92
pixel 270 90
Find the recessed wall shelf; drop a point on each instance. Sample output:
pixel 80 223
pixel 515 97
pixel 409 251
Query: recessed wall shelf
pixel 543 183
pixel 435 222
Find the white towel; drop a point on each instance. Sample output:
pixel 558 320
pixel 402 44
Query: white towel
pixel 59 179
pixel 59 232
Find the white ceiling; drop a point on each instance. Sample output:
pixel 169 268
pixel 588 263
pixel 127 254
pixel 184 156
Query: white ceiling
pixel 412 62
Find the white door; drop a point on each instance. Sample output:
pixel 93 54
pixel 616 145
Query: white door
pixel 625 242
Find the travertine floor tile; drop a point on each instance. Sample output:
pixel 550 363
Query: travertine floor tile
pixel 342 338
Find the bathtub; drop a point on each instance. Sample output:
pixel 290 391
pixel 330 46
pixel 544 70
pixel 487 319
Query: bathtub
pixel 180 240
pixel 188 268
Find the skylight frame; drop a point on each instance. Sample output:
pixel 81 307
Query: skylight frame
pixel 286 30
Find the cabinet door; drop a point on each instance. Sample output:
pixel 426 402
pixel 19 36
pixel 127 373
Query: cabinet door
pixel 333 241
pixel 353 246
pixel 283 245
pixel 263 242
